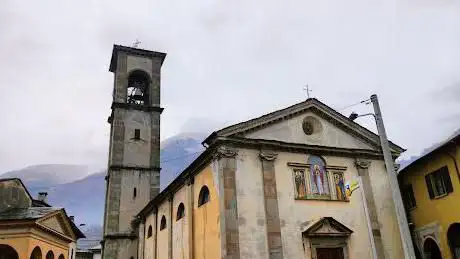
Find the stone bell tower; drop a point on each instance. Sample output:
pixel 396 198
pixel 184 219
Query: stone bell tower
pixel 133 175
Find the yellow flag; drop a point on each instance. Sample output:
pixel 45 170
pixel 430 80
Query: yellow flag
pixel 350 186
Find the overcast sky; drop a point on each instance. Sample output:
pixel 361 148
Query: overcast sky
pixel 227 61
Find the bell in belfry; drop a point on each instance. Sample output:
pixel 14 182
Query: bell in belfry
pixel 138 95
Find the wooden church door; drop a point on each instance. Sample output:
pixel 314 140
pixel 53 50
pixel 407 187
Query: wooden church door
pixel 329 253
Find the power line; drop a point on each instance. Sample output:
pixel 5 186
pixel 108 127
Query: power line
pixel 352 105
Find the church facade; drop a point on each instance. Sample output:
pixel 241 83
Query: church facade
pixel 270 187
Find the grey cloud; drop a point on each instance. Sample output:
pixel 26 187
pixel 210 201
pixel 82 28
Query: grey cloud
pixel 232 60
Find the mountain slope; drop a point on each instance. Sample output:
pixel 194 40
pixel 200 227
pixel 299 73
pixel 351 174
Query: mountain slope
pixel 83 194
pixel 42 177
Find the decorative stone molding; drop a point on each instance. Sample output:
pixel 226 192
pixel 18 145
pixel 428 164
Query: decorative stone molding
pixel 225 152
pixel 268 156
pixel 363 164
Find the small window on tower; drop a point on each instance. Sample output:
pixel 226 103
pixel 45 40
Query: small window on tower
pixel 137 134
pixel 134 192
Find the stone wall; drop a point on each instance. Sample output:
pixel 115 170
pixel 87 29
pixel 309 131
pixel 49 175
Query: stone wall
pixel 13 195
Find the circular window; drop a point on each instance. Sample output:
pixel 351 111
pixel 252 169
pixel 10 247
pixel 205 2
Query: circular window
pixel 311 125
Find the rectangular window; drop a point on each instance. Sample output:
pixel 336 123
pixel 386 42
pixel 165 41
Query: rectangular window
pixel 409 197
pixel 137 134
pixel 439 183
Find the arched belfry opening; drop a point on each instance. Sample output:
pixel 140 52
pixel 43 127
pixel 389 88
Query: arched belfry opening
pixel 138 88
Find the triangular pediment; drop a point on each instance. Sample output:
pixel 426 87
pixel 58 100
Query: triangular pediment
pixel 58 222
pixel 311 123
pixel 325 226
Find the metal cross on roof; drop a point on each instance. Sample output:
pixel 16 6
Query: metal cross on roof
pixel 308 90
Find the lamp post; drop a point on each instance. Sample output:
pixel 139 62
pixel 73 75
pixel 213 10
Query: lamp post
pixel 397 199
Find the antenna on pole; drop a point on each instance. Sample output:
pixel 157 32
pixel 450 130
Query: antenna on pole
pixel 308 90
pixel 136 43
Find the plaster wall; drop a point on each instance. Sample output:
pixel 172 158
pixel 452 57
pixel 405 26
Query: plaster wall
pixel 291 131
pixel 163 235
pixel 293 212
pixel 206 225
pixel 251 211
pixel 149 245
pixel 180 227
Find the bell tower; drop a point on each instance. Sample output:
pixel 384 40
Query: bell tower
pixel 133 175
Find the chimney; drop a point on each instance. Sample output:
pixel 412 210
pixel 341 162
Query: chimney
pixel 42 196
pixel 72 218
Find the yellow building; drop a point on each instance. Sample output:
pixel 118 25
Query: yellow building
pixel 431 191
pixel 29 231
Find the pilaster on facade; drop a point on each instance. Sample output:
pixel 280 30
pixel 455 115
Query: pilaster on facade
pixel 273 223
pixel 225 152
pixel 226 161
pixel 268 156
pixel 362 164
pixel 363 171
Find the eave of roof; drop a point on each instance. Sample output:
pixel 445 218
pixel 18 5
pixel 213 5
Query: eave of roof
pixel 132 51
pixel 450 141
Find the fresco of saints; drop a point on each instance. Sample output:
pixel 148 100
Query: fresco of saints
pixel 339 187
pixel 300 183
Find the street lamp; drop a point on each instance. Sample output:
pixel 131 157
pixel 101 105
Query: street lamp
pixel 399 207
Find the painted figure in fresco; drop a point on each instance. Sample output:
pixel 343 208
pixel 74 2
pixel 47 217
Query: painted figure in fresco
pixel 319 180
pixel 318 176
pixel 339 187
pixel 300 183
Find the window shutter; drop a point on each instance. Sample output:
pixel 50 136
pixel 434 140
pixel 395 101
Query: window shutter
pixel 428 185
pixel 446 178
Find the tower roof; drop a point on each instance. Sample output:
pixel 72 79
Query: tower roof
pixel 133 51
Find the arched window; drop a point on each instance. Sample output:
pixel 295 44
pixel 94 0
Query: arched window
pixel 50 255
pixel 203 197
pixel 149 232
pixel 453 237
pixel 8 252
pixel 431 249
pixel 163 223
pixel 36 253
pixel 61 256
pixel 180 211
pixel 138 88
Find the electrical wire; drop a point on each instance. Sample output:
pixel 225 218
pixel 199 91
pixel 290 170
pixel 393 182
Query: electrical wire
pixel 352 105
